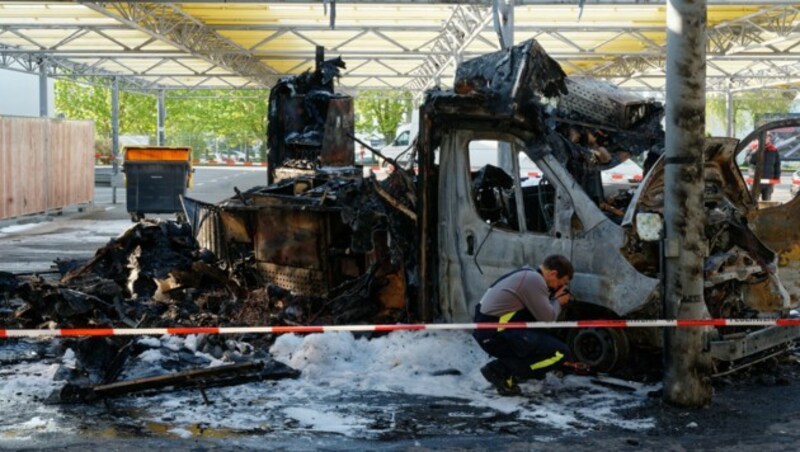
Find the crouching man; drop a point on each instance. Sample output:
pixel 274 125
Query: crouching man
pixel 524 295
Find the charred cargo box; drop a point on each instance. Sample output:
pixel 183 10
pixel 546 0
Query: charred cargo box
pixel 322 236
pixel 304 247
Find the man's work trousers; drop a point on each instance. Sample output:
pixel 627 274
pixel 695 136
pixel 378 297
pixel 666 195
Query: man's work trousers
pixel 523 353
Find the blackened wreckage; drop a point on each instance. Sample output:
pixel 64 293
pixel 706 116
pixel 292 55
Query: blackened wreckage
pixel 322 244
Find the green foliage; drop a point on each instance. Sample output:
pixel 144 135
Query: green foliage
pixel 747 106
pixel 237 119
pixel 137 112
pixel 382 111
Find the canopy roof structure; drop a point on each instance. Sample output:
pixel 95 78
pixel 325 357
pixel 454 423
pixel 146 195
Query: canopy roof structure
pixel 411 44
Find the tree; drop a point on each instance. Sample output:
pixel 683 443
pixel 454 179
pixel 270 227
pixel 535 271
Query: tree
pixel 137 112
pixel 747 106
pixel 194 118
pixel 382 111
pixel 238 117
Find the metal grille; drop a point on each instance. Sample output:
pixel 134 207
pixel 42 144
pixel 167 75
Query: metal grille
pixel 602 102
pixel 298 280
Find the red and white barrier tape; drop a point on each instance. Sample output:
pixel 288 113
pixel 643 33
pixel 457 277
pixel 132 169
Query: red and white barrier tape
pixel 72 332
pixel 749 181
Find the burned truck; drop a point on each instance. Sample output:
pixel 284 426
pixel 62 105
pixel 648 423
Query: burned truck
pixel 425 243
pixel 522 98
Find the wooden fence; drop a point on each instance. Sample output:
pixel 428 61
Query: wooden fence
pixel 45 165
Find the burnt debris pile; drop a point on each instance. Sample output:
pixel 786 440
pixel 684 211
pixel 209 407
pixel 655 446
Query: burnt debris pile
pixel 156 274
pixel 304 251
pixel 316 249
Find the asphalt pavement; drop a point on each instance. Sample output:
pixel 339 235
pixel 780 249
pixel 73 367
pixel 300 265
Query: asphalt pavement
pixel 32 244
pixel 758 409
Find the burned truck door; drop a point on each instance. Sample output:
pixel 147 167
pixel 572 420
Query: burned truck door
pixel 603 275
pixel 481 236
pixel 492 222
pixel 775 223
pixel 479 223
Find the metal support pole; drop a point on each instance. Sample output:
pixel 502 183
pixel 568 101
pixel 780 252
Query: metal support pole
pixel 114 136
pixel 162 116
pixel 729 112
pixel 503 14
pixel 43 88
pixel 687 379
pixel 458 57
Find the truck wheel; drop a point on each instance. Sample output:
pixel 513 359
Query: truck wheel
pixel 604 349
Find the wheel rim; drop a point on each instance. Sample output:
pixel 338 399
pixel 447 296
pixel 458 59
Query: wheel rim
pixel 603 349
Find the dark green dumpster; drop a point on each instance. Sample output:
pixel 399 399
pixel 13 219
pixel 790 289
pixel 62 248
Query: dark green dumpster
pixel 156 178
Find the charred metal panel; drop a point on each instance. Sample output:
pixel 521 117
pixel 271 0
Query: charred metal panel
pixel 510 85
pixel 509 79
pixel 604 104
pixel 777 228
pixel 215 228
pixel 291 238
pixel 338 149
pixel 755 342
pixel 298 248
pixel 299 113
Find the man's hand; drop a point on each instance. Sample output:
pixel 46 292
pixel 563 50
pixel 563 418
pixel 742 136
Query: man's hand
pixel 562 295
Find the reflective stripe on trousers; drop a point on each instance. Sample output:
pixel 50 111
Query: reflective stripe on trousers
pixel 547 362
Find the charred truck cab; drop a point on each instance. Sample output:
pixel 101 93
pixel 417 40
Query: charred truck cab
pixel 475 226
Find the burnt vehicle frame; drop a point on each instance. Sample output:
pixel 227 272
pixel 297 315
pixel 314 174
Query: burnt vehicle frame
pixel 426 248
pixel 752 264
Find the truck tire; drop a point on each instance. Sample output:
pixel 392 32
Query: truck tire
pixel 604 349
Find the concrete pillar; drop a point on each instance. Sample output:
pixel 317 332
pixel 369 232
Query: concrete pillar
pixel 43 94
pixel 688 368
pixel 162 116
pixel 114 135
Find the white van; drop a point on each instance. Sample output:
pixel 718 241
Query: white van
pixel 403 140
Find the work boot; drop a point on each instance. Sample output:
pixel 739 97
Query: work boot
pixel 506 385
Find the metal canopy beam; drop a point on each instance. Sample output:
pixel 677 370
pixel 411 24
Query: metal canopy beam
pixel 632 56
pixel 740 36
pixel 772 34
pixel 66 69
pixel 167 23
pixel 480 2
pixel 460 30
